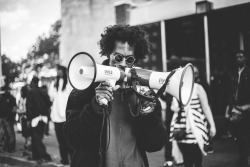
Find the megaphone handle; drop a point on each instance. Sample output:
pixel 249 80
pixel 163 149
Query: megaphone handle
pixel 104 101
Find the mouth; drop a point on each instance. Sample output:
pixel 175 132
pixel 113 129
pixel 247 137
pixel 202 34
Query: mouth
pixel 122 68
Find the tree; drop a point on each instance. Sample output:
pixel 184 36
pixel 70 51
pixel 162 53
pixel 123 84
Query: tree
pixel 10 69
pixel 47 46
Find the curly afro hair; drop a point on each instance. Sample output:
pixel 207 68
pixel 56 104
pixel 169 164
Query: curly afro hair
pixel 134 35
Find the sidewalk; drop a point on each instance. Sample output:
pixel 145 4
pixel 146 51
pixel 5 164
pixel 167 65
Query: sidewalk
pixel 17 159
pixel 225 154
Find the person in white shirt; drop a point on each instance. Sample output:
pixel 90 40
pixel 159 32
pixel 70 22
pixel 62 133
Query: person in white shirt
pixel 59 93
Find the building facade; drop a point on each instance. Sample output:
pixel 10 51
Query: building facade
pixel 205 33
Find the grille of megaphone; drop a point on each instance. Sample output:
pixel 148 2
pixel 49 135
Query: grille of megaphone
pixel 83 71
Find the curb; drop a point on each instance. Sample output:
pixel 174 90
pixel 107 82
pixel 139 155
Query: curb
pixel 20 162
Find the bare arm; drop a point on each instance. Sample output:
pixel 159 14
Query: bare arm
pixel 227 113
pixel 206 109
pixel 175 105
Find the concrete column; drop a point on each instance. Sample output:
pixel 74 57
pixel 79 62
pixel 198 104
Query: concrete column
pixel 163 46
pixel 207 54
pixel 0 52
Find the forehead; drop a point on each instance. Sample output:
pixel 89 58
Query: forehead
pixel 123 48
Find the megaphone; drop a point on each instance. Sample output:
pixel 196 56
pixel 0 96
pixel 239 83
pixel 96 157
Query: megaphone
pixel 179 84
pixel 83 71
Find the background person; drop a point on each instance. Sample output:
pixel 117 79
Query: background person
pixel 239 108
pixel 60 92
pixel 37 105
pixel 26 131
pixel 189 126
pixel 7 119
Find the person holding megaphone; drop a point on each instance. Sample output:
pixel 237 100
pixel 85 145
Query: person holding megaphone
pixel 108 124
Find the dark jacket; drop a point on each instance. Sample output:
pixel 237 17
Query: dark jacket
pixel 243 95
pixel 38 103
pixel 7 104
pixel 83 126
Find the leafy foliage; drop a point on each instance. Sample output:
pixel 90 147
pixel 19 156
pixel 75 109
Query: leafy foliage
pixel 10 69
pixel 47 46
pixel 44 51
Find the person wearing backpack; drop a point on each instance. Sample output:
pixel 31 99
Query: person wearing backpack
pixel 37 106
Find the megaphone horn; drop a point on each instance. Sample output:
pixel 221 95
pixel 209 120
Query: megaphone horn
pixel 180 84
pixel 83 71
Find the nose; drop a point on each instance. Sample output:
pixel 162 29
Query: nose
pixel 123 63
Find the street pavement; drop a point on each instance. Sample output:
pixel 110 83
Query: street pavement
pixel 225 154
pixel 16 159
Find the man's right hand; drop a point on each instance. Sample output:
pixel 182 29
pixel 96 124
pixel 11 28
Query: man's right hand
pixel 104 91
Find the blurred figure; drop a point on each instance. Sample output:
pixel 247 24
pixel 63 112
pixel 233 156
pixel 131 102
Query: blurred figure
pixel 7 119
pixel 36 70
pixel 238 111
pixel 26 131
pixel 61 90
pixel 174 62
pixel 47 134
pixel 190 128
pixel 38 104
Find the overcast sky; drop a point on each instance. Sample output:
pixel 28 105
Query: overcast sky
pixel 22 21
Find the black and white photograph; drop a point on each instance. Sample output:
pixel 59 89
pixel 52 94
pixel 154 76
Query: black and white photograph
pixel 124 83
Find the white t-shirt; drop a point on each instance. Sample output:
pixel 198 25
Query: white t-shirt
pixel 60 98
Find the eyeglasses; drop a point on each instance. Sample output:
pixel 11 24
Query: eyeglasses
pixel 129 59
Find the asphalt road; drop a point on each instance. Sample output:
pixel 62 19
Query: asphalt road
pixel 225 154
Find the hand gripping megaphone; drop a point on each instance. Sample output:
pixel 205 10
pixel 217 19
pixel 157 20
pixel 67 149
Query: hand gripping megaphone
pixel 83 71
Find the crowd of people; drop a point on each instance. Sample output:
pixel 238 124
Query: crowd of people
pixel 119 133
pixel 32 111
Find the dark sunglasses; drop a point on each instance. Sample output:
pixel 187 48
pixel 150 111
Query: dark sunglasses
pixel 129 59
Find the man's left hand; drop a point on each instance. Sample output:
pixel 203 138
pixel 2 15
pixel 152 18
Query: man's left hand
pixel 147 106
